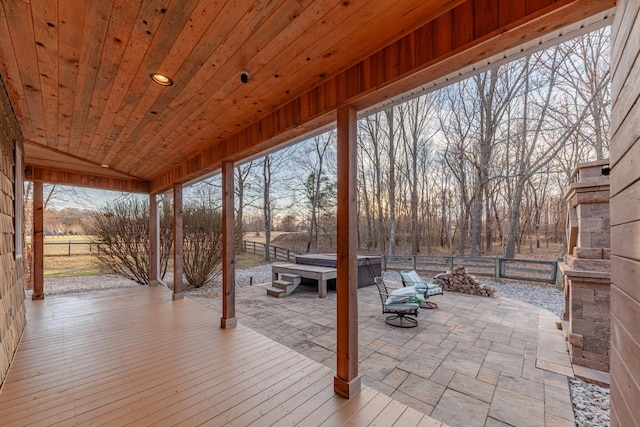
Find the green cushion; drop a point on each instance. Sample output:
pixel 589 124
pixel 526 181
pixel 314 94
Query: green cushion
pixel 411 278
pixel 403 307
pixel 401 295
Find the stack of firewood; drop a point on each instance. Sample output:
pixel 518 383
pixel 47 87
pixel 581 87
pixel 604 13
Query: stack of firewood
pixel 459 280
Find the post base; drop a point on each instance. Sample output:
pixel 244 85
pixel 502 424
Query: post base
pixel 36 297
pixel 178 295
pixel 347 389
pixel 232 322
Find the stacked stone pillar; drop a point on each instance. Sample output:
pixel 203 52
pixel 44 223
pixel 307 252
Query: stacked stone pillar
pixel 587 267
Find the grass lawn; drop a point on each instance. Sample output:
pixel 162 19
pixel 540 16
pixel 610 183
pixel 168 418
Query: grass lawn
pixel 61 265
pixel 251 236
pixel 65 266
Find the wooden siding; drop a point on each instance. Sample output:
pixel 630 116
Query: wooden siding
pixel 135 357
pixel 625 216
pixel 12 307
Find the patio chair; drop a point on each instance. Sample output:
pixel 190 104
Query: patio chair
pixel 399 303
pixel 411 278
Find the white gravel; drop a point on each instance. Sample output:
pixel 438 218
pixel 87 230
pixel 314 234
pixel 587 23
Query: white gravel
pixel 590 402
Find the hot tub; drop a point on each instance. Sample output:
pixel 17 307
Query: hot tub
pixel 365 277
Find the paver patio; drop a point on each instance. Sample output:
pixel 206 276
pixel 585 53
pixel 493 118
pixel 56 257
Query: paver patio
pixel 474 361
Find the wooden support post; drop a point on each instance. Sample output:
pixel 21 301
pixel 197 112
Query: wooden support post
pixel 154 240
pixel 228 319
pixel 347 383
pixel 178 234
pixel 37 243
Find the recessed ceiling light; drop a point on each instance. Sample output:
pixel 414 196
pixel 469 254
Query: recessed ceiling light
pixel 104 166
pixel 161 79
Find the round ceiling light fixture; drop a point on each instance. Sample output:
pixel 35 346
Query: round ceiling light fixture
pixel 161 79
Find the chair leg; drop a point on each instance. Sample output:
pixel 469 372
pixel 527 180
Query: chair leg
pixel 429 305
pixel 401 321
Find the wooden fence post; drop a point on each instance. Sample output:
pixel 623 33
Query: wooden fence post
pixel 497 269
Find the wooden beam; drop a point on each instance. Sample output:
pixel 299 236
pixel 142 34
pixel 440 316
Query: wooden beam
pixel 428 53
pixel 347 382
pixel 178 234
pixel 79 179
pixel 228 319
pixel 154 240
pixel 38 242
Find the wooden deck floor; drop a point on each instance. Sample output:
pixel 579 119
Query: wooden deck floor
pixel 135 357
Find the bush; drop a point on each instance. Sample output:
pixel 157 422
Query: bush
pixel 122 229
pixel 202 250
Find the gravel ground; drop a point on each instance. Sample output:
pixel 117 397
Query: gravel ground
pixel 71 285
pixel 590 402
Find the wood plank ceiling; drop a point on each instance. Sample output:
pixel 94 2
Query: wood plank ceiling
pixel 78 73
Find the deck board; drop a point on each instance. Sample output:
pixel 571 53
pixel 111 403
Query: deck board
pixel 136 357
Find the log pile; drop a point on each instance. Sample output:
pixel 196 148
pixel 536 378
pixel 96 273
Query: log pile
pixel 460 281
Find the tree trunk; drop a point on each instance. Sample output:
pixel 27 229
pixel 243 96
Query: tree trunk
pixel 266 206
pixel 514 219
pixel 392 180
pixel 488 225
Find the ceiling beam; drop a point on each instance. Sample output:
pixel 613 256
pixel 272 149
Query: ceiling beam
pixel 78 179
pixel 467 34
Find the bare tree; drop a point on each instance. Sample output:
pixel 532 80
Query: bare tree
pixel 370 144
pixel 391 137
pixel 315 181
pixel 414 118
pixel 585 73
pixel 545 128
pixel 242 174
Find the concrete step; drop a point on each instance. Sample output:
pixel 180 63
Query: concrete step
pixel 293 278
pixel 276 292
pixel 282 284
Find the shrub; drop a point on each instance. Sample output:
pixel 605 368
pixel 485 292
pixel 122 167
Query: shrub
pixel 202 250
pixel 122 229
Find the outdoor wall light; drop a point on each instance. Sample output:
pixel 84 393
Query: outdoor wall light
pixel 161 79
pixel 244 77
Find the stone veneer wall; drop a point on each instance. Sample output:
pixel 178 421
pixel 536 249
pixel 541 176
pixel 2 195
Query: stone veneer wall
pixel 625 215
pixel 586 268
pixel 12 305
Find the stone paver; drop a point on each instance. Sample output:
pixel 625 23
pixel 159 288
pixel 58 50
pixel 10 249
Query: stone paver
pixel 460 410
pixel 474 361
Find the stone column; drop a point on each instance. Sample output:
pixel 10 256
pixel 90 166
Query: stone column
pixel 587 267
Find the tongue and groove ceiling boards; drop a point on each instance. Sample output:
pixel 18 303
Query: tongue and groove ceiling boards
pixel 78 73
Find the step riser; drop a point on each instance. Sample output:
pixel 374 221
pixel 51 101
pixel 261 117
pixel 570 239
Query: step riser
pixel 287 283
pixel 275 292
pixel 292 278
